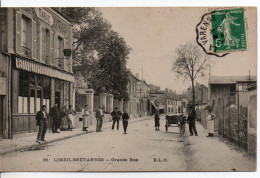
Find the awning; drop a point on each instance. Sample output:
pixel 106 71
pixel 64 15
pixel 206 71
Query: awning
pixel 35 67
pixel 153 104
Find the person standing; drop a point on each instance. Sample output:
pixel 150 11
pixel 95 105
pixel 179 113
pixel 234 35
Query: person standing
pixel 191 120
pixel 99 114
pixel 71 118
pixel 210 122
pixel 64 125
pixel 125 118
pixel 41 118
pixel 86 118
pixel 55 116
pixel 182 127
pixel 102 118
pixel 157 120
pixel 116 117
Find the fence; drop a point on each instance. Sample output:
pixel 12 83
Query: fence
pixel 232 118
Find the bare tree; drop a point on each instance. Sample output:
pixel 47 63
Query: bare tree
pixel 190 63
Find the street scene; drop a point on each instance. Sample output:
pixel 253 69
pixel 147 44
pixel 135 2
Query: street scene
pixel 88 89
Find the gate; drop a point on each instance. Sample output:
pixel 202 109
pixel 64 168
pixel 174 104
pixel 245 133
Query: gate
pixel 232 123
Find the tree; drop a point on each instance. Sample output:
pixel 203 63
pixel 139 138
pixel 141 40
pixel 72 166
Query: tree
pixel 99 52
pixel 190 63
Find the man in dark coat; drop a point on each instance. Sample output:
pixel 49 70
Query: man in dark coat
pixel 191 120
pixel 125 118
pixel 41 118
pixel 55 115
pixel 116 117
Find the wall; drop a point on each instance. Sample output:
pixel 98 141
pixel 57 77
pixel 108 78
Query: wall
pixel 252 122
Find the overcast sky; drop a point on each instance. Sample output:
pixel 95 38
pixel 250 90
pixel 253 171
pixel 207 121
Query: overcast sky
pixel 155 33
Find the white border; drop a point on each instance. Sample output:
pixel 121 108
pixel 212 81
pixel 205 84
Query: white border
pixel 136 3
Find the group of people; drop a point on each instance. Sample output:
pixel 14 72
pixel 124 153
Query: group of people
pixel 62 119
pixel 191 121
pixel 116 116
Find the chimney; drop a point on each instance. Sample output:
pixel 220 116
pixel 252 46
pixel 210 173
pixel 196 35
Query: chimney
pixel 166 90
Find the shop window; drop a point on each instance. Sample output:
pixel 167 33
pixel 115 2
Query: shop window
pixel 25 36
pixel 23 92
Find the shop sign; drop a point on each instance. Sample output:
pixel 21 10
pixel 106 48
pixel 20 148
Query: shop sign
pixel 2 86
pixel 44 15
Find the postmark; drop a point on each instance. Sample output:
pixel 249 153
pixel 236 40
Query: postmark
pixel 222 31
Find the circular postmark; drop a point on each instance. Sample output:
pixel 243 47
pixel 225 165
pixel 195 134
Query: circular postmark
pixel 222 31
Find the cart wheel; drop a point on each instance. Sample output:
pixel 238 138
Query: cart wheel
pixel 166 126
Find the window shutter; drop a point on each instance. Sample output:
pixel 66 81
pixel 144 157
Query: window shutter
pixel 18 39
pixel 65 58
pixel 55 51
pixel 34 45
pixel 43 44
pixel 51 47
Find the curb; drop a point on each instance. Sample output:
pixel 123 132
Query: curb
pixel 55 140
pixel 37 144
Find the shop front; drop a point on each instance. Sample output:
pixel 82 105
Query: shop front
pixel 34 85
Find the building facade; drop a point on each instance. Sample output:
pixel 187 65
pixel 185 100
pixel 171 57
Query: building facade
pixel 37 42
pixel 132 104
pixel 143 92
pixel 173 103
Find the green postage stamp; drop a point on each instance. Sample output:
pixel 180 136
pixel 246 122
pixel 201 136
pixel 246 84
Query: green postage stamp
pixel 220 32
pixel 228 30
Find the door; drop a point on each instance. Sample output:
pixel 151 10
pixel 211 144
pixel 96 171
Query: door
pixel 57 99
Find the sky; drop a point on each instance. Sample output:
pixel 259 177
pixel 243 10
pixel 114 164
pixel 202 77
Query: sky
pixel 155 33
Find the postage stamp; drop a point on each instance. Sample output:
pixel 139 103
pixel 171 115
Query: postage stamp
pixel 222 31
pixel 228 30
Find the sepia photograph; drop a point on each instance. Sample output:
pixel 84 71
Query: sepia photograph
pixel 128 89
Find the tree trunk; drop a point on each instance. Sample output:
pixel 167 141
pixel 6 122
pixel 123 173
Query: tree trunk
pixel 193 94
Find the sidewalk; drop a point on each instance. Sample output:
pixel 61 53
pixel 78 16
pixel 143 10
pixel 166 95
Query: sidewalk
pixel 211 153
pixel 25 141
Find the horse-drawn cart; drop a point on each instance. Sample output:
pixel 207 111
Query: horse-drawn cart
pixel 172 120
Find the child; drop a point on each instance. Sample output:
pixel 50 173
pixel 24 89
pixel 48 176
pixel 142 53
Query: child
pixel 181 123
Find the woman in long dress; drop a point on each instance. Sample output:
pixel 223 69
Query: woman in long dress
pixel 64 119
pixel 86 118
pixel 71 118
pixel 157 121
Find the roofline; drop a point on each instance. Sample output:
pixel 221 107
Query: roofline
pixel 61 14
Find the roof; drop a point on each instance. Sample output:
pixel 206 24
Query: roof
pixel 172 96
pixel 231 79
pixel 132 75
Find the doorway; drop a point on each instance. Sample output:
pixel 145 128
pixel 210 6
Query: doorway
pixel 57 98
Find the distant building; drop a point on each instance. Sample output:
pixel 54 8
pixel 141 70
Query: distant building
pixel 143 92
pixel 173 103
pixel 159 99
pixel 201 96
pixel 153 88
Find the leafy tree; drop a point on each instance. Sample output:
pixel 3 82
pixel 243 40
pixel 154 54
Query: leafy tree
pixel 99 52
pixel 190 63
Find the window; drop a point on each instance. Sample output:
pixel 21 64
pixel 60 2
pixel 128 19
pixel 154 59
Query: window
pixel 46 45
pixel 60 52
pixel 25 36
